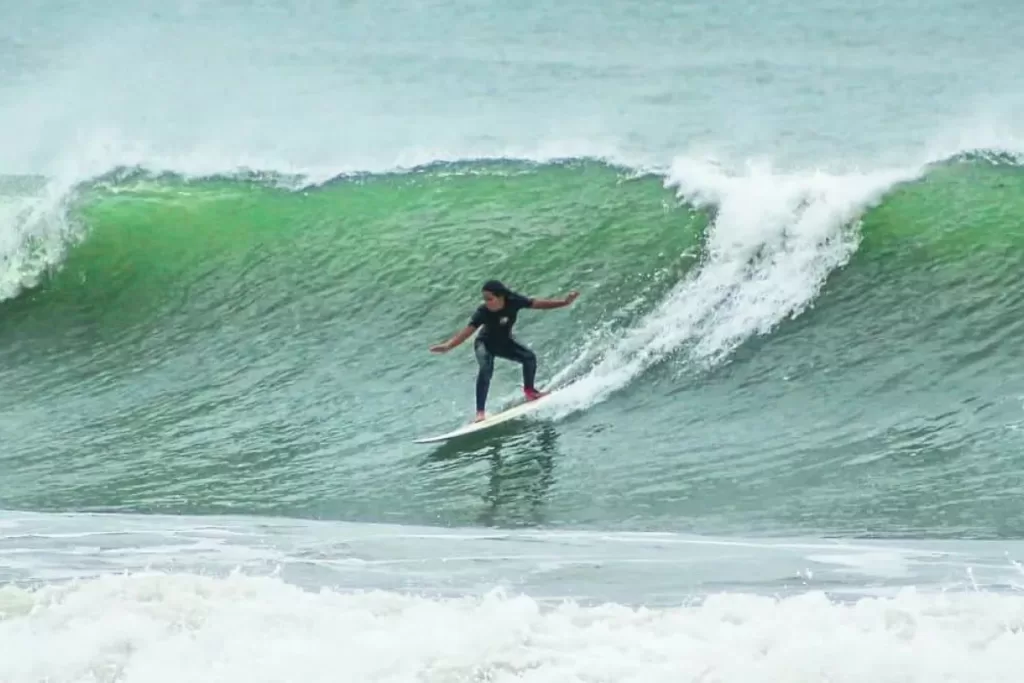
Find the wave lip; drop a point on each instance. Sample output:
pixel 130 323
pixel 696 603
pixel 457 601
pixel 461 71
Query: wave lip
pixel 35 232
pixel 774 239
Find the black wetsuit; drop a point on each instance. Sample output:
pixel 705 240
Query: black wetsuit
pixel 495 339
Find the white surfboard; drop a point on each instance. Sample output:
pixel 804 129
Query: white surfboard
pixel 496 419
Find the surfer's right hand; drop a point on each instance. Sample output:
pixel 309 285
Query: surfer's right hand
pixel 439 348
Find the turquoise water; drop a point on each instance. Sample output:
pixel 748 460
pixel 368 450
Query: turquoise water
pixel 229 235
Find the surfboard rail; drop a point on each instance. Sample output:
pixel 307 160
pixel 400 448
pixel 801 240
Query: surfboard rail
pixel 498 418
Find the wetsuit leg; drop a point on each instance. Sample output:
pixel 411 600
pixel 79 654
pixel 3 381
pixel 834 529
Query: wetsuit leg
pixel 514 351
pixel 483 378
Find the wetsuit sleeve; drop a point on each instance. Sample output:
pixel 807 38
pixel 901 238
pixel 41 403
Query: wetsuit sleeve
pixel 477 319
pixel 520 301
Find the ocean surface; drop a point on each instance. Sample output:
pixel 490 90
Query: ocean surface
pixel 789 441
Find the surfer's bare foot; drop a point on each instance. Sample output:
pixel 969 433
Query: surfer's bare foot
pixel 480 416
pixel 533 394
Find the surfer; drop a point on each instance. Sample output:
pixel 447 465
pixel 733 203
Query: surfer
pixel 496 316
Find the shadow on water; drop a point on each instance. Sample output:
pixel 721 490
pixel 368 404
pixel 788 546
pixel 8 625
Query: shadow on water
pixel 520 470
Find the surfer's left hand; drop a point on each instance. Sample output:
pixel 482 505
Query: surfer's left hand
pixel 572 296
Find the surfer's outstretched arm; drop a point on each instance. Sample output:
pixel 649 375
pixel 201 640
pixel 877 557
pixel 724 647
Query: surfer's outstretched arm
pixel 555 303
pixel 461 336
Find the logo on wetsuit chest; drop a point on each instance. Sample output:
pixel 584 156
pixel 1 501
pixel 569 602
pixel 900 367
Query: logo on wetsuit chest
pixel 503 320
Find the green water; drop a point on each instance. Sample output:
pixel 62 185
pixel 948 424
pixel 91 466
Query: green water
pixel 265 348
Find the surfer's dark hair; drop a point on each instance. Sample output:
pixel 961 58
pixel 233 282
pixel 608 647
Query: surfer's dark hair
pixel 496 287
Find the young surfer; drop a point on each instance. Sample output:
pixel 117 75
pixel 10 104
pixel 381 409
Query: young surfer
pixel 495 318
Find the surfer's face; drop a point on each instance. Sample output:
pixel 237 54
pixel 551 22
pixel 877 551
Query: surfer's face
pixel 493 301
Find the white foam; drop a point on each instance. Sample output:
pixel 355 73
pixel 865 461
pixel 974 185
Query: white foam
pixel 167 628
pixel 34 236
pixel 775 238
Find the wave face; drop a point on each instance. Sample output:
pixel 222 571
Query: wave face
pixel 825 352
